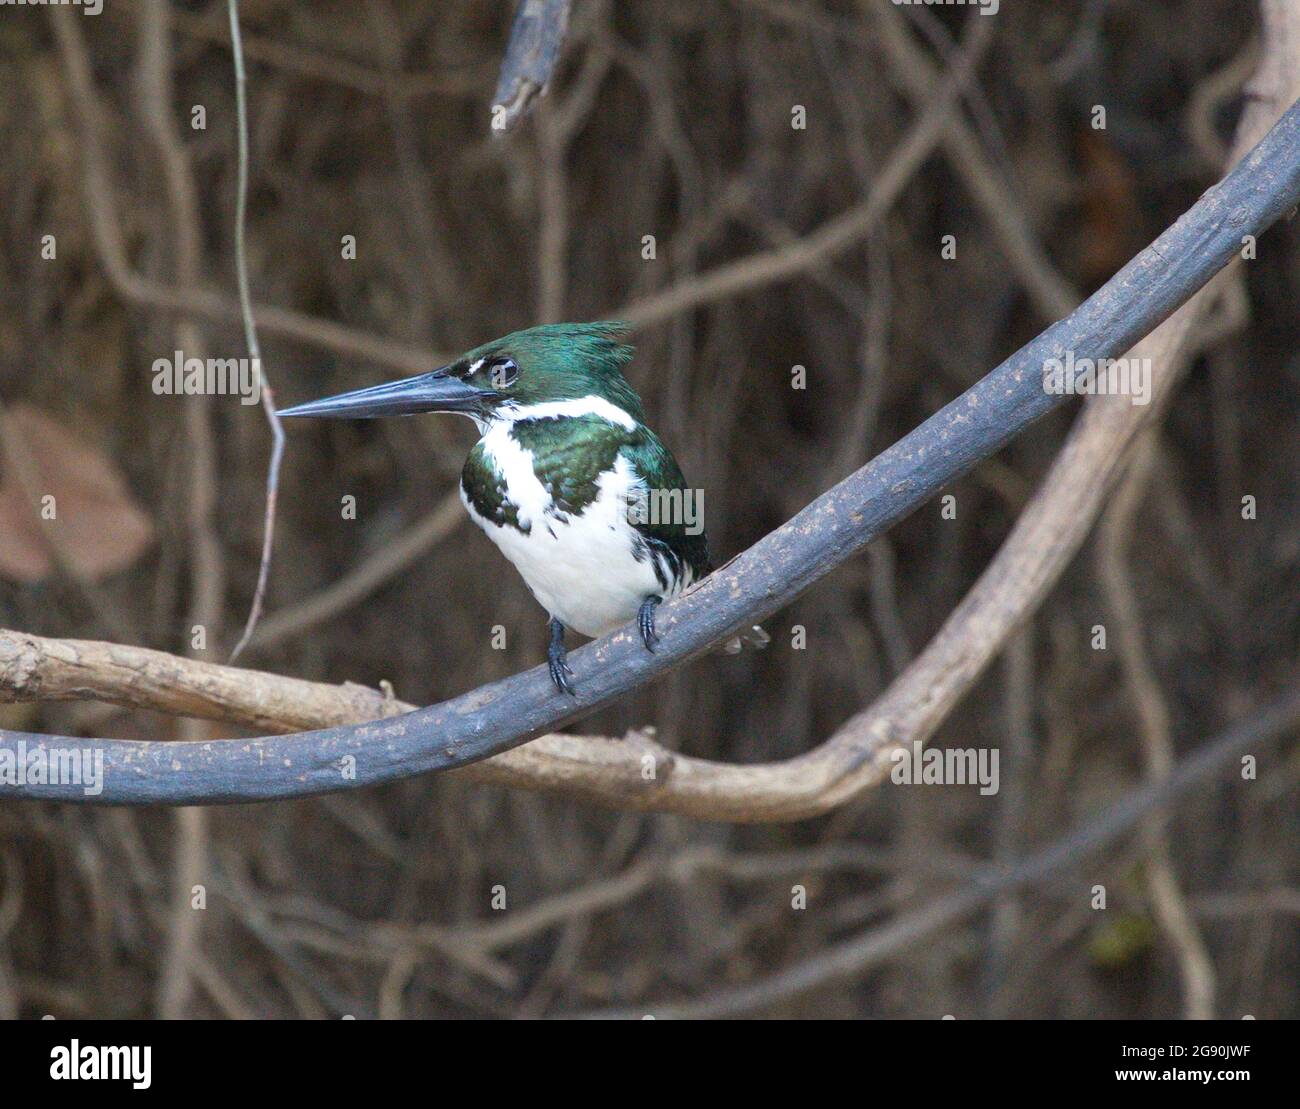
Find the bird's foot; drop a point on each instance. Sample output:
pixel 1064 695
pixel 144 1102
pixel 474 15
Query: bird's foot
pixel 557 660
pixel 645 622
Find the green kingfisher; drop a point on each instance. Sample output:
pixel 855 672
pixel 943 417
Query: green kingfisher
pixel 566 478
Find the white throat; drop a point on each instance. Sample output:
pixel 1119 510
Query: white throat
pixel 512 412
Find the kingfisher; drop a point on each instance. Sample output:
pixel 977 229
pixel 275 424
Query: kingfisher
pixel 566 478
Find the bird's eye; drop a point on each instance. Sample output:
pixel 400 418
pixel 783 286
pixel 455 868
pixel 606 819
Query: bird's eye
pixel 502 373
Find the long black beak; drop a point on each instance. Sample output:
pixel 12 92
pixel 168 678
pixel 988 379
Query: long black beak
pixel 432 392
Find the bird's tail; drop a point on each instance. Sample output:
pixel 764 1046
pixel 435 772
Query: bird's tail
pixel 754 637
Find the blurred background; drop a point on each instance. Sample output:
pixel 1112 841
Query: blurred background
pixel 673 120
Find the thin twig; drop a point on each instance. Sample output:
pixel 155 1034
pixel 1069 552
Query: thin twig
pixel 250 334
pixel 1156 731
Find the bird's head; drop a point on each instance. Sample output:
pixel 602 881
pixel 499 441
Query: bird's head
pixel 542 365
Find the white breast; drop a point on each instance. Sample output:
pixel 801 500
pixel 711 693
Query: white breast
pixel 581 568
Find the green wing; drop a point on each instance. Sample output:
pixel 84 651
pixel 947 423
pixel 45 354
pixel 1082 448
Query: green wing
pixel 672 514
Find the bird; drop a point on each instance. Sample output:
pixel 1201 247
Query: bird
pixel 566 478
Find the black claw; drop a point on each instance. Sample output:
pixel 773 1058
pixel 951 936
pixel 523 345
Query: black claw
pixel 645 622
pixel 557 660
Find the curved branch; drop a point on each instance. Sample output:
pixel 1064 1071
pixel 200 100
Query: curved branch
pixel 752 587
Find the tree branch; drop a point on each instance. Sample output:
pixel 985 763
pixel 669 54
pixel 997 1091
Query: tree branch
pixel 536 38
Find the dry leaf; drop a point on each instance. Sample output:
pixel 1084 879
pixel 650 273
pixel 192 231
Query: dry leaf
pixel 97 529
